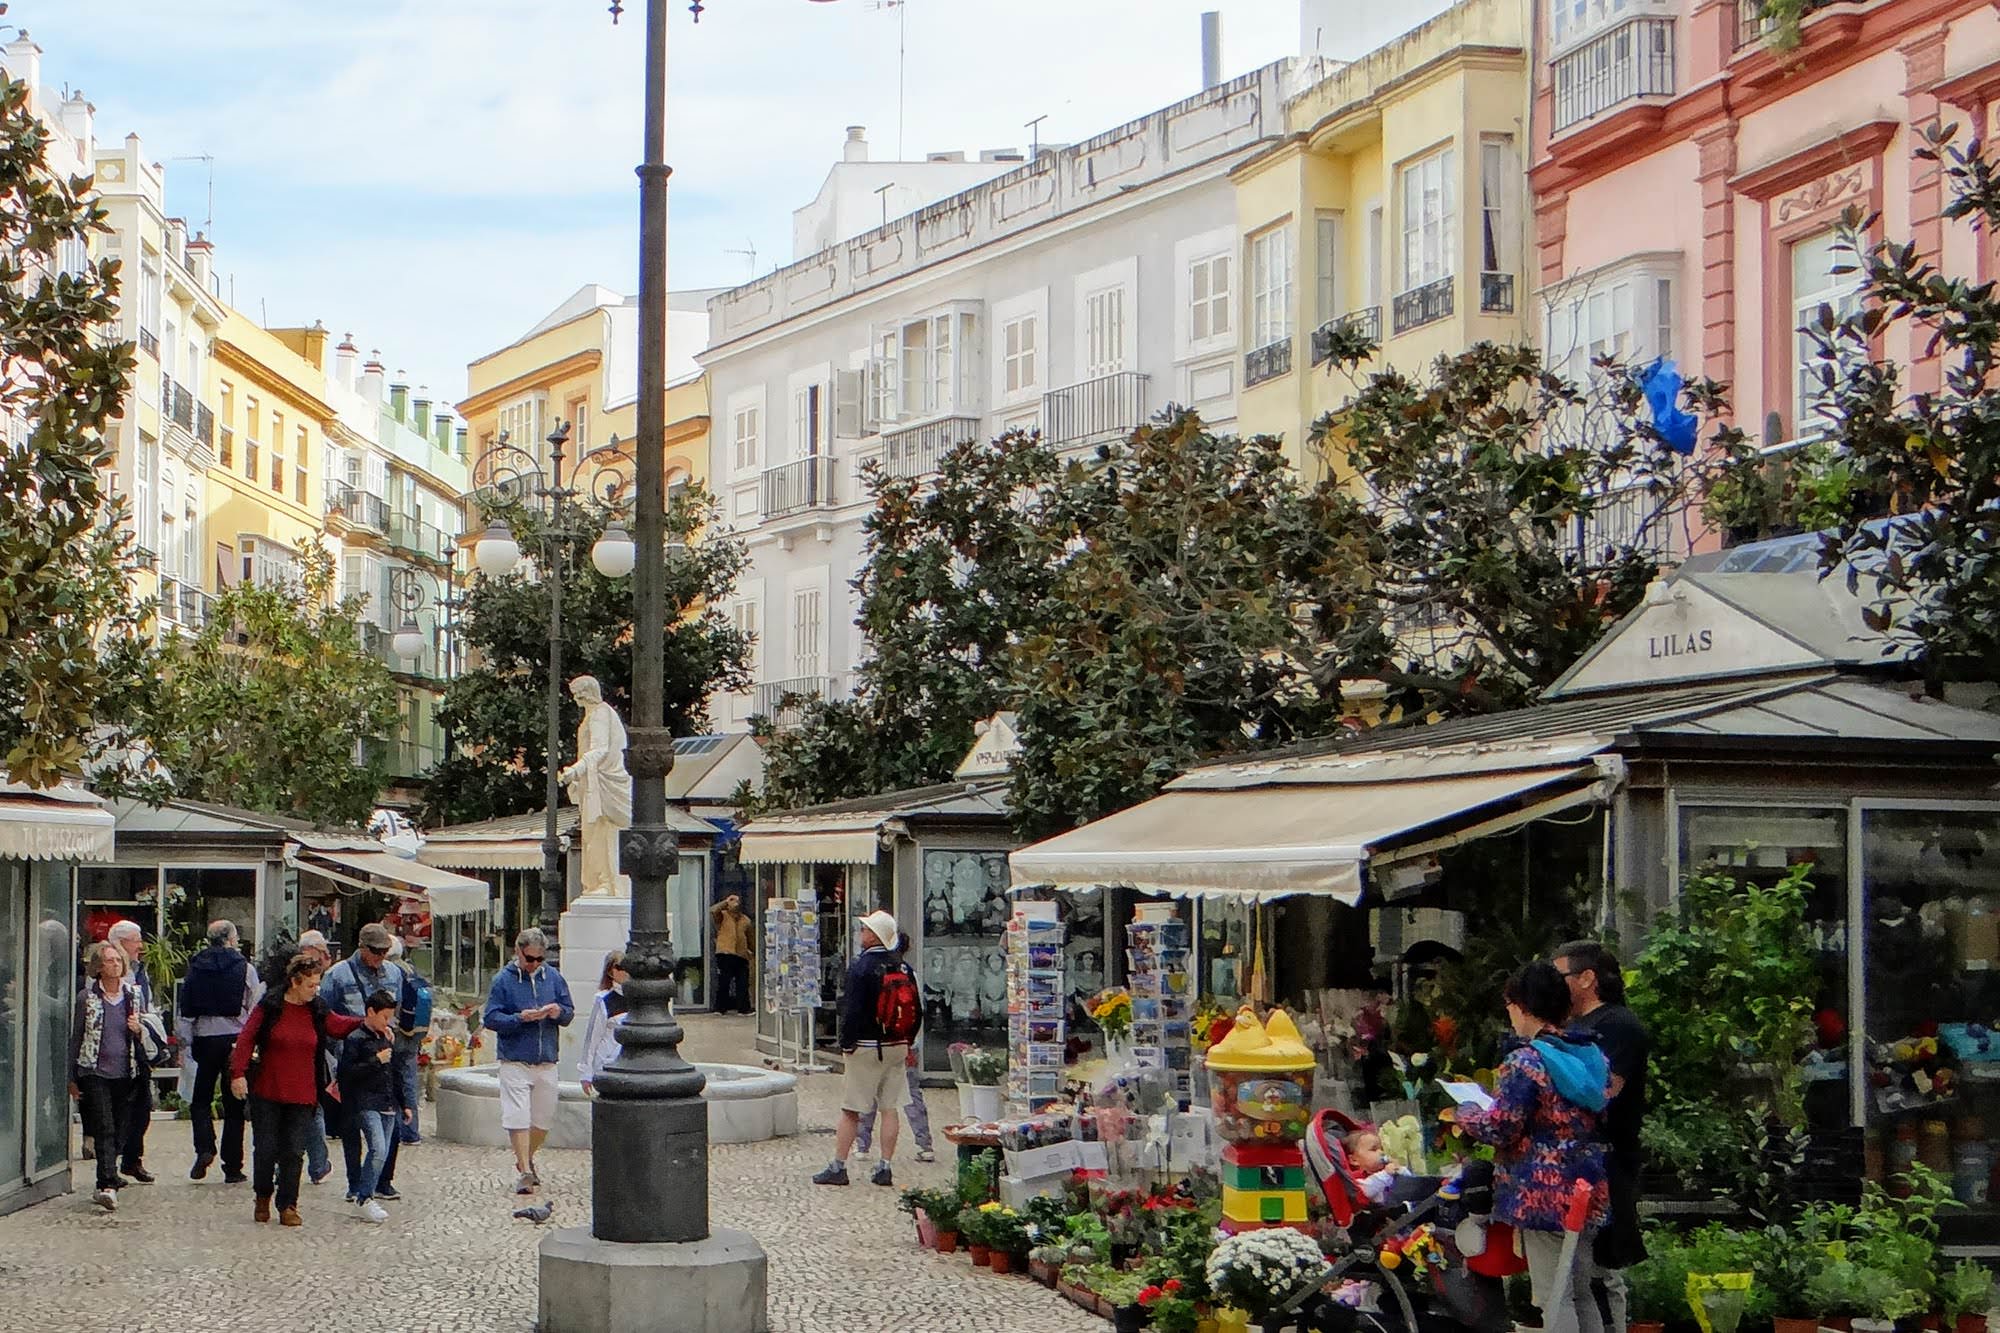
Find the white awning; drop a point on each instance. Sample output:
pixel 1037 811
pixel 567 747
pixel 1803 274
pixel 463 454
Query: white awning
pixel 1287 838
pixel 71 826
pixel 449 894
pixel 850 840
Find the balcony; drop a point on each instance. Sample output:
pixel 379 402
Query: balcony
pixel 1425 305
pixel 769 700
pixel 424 540
pixel 1106 408
pixel 1629 517
pixel 1367 322
pixel 195 606
pixel 1268 362
pixel 360 509
pixel 1753 25
pixel 177 403
pixel 168 609
pixel 792 488
pixel 1634 59
pixel 149 343
pixel 916 451
pixel 1496 293
pixel 204 426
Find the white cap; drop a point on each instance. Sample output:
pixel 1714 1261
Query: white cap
pixel 884 927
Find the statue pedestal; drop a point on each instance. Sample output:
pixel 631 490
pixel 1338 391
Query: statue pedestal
pixel 591 928
pixel 717 1285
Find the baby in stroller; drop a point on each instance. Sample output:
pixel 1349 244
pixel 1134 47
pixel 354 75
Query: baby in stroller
pixel 1422 1243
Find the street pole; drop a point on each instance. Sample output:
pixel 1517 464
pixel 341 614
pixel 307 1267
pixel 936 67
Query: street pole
pixel 553 897
pixel 649 1123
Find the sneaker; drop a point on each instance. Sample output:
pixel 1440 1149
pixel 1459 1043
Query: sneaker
pixel 201 1165
pixel 138 1175
pixel 373 1212
pixel 319 1177
pixel 106 1199
pixel 534 1176
pixel 863 1150
pixel 834 1174
pixel 289 1217
pixel 233 1177
pixel 926 1155
pixel 524 1183
pixel 882 1175
pixel 389 1192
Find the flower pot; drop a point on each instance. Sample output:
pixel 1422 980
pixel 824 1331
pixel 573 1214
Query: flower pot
pixel 1841 1322
pixel 947 1242
pixel 1795 1326
pixel 978 1103
pixel 1229 1320
pixel 1970 1323
pixel 1000 1261
pixel 1658 1326
pixel 1043 1273
pixel 1128 1318
pixel 927 1231
pixel 981 1256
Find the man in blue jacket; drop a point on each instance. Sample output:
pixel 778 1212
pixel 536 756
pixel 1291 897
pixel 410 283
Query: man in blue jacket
pixel 526 1010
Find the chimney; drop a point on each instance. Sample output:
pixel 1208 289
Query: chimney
pixel 399 400
pixel 370 384
pixel 463 435
pixel 441 436
pixel 856 147
pixel 421 418
pixel 343 361
pixel 23 59
pixel 77 117
pixel 1211 49
pixel 312 345
pixel 201 258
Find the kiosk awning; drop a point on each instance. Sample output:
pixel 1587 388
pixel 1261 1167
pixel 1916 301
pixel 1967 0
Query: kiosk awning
pixel 64 823
pixel 1287 838
pixel 849 841
pixel 449 894
pixel 850 832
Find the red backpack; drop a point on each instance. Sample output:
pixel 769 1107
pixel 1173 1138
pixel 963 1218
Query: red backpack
pixel 898 1007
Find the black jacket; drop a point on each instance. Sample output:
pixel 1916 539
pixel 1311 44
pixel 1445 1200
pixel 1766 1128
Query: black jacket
pixel 367 1083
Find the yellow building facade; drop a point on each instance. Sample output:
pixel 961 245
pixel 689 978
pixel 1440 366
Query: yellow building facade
pixel 267 494
pixel 1396 202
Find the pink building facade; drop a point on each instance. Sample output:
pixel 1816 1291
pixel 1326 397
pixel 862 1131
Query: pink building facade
pixel 1688 177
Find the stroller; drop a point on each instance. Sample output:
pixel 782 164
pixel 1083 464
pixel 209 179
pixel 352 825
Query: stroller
pixel 1464 1291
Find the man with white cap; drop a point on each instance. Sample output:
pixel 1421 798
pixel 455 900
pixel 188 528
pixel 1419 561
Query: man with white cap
pixel 880 1010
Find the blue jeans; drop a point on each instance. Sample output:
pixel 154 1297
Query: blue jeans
pixel 317 1161
pixel 378 1131
pixel 404 1066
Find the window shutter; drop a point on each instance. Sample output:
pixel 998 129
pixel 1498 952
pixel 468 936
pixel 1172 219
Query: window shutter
pixel 849 391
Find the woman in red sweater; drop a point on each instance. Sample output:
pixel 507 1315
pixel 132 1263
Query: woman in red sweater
pixel 280 1064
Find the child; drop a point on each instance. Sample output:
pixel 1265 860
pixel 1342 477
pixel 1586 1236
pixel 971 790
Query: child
pixel 373 1094
pixel 1375 1168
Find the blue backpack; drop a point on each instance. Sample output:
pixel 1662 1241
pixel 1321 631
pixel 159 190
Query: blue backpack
pixel 413 1012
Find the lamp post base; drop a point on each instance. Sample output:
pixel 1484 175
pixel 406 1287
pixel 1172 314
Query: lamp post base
pixel 716 1285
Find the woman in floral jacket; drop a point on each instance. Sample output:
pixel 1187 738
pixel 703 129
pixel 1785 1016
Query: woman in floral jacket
pixel 1543 1126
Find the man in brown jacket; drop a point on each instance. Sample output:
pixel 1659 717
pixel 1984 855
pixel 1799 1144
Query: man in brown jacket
pixel 732 957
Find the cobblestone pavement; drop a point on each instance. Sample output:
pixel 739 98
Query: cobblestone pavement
pixel 182 1257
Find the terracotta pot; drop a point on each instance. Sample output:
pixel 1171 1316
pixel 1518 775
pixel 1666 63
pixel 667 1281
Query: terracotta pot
pixel 927 1230
pixel 1970 1323
pixel 1042 1273
pixel 981 1256
pixel 1795 1326
pixel 1651 1326
pixel 1000 1261
pixel 947 1242
pixel 1843 1322
pixel 1931 1323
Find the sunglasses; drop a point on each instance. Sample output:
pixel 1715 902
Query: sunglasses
pixel 531 958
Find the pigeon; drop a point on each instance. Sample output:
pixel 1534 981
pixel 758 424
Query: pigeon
pixel 537 1214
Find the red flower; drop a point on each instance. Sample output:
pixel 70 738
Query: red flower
pixel 1172 1284
pixel 1147 1295
pixel 1444 1029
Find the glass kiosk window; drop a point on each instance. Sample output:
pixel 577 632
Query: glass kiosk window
pixel 965 910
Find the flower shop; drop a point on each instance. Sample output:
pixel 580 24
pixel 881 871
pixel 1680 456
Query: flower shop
pixel 1769 799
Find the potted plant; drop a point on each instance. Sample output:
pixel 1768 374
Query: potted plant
pixel 1006 1236
pixel 972 1226
pixel 978 1073
pixel 932 1211
pixel 1045 1261
pixel 1785 1266
pixel 1867 1300
pixel 1965 1294
pixel 1656 1286
pixel 1258 1271
pixel 1168 1308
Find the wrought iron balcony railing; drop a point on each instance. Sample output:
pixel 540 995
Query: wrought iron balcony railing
pixel 361 508
pixel 1366 321
pixel 1496 293
pixel 1268 362
pixel 1634 59
pixel 916 451
pixel 1426 304
pixel 149 343
pixel 425 540
pixel 1091 411
pixel 791 488
pixel 778 699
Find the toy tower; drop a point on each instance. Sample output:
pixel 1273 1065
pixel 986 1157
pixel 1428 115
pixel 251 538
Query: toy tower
pixel 1261 1082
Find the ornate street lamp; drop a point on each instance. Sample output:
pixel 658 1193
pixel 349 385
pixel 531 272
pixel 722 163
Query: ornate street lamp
pixel 508 477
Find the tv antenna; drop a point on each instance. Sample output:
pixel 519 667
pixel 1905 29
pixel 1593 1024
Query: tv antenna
pixel 882 193
pixel 749 252
pixel 1034 129
pixel 207 223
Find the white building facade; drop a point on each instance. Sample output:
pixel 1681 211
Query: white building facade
pixel 1079 294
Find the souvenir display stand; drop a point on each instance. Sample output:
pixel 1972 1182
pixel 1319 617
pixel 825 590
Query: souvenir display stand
pixel 791 977
pixel 1036 1005
pixel 1157 974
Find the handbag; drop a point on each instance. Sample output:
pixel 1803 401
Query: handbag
pixel 154 1048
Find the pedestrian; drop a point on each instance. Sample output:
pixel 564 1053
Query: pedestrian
pixel 105 1061
pixel 732 957
pixel 526 1009
pixel 607 1015
pixel 321 921
pixel 1543 1126
pixel 879 1014
pixel 279 1065
pixel 920 1116
pixel 216 998
pixel 373 1094
pixel 413 1030
pixel 128 936
pixel 346 987
pixel 319 1164
pixel 1597 1003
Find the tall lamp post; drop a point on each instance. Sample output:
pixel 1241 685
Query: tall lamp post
pixel 649 1258
pixel 512 478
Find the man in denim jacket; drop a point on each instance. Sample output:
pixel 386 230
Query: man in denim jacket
pixel 526 1011
pixel 346 988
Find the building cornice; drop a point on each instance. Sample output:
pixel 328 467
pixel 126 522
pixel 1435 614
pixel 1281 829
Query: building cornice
pixel 245 362
pixel 538 378
pixel 1458 60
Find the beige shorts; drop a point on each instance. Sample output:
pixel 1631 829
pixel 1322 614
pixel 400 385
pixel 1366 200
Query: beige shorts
pixel 875 1079
pixel 527 1096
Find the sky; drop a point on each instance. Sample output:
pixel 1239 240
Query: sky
pixel 436 175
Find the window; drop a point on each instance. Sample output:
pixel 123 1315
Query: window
pixel 743 616
pixel 1104 332
pixel 1430 219
pixel 1208 298
pixel 1815 284
pixel 747 434
pixel 299 465
pixel 225 415
pixel 1571 21
pixel 1270 287
pixel 250 420
pixel 190 533
pixel 278 452
pixel 578 412
pixel 1496 176
pixel 144 516
pixel 149 295
pixel 882 379
pixel 1625 313
pixel 935 365
pixel 808 628
pixel 807 427
pixel 1017 352
pixel 1326 268
pixel 1377 232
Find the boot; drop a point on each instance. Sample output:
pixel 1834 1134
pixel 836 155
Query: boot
pixel 289 1217
pixel 263 1213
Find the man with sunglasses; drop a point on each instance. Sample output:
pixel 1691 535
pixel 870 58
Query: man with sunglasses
pixel 346 988
pixel 526 1010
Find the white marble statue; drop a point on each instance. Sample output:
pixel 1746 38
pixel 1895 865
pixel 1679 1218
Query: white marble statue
pixel 602 790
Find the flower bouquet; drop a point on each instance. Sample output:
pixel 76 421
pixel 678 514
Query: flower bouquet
pixel 1111 1010
pixel 1259 1271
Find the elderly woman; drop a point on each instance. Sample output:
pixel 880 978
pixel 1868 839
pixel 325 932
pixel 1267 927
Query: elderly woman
pixel 1543 1126
pixel 105 1061
pixel 280 1064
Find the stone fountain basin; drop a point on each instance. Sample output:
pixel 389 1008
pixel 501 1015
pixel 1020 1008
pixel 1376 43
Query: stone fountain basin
pixel 745 1105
